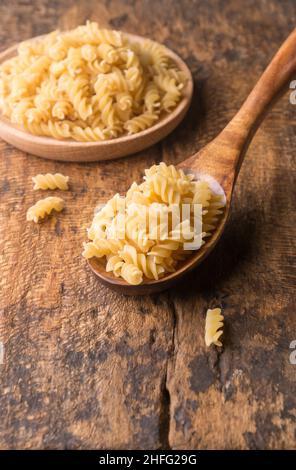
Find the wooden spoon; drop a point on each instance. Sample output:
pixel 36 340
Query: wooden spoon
pixel 220 161
pixel 72 151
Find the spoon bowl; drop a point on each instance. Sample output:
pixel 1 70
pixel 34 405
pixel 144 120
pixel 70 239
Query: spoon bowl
pixel 152 286
pixel 97 265
pixel 73 151
pixel 219 163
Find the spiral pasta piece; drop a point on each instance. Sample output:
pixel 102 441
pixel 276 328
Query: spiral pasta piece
pixel 61 109
pixel 58 130
pixel 168 171
pixel 44 207
pixel 157 53
pixel 164 249
pixel 90 250
pixel 91 33
pixel 77 91
pixel 49 181
pixel 88 134
pixel 214 327
pixel 140 123
pixel 114 264
pixel 168 190
pixel 146 265
pixel 131 274
pixel 152 98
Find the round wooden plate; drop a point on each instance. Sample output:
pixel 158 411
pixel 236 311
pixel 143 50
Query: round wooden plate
pixel 72 151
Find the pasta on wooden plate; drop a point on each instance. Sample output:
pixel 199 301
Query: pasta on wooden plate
pixel 88 84
pixel 142 235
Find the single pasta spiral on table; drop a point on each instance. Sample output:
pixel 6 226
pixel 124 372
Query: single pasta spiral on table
pixel 213 328
pixel 49 181
pixel 44 207
pixel 89 84
pixel 141 235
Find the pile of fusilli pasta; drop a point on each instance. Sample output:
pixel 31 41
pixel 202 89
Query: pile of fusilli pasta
pixel 88 84
pixel 136 249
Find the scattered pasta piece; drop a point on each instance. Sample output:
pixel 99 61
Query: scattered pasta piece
pixel 214 325
pixel 44 207
pixel 49 181
pixel 89 84
pixel 141 235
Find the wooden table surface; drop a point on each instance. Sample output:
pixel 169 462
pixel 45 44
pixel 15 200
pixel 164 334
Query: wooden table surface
pixel 85 367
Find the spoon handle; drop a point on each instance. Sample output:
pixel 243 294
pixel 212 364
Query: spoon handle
pixel 272 84
pixel 222 157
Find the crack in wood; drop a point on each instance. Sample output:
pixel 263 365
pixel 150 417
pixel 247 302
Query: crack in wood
pixel 165 410
pixel 165 415
pixel 215 357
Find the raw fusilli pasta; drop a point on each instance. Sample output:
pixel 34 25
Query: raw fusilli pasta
pixel 145 234
pixel 50 181
pixel 214 325
pixel 44 207
pixel 131 274
pixel 88 84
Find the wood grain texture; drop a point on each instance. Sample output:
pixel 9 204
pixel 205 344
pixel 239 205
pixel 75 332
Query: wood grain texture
pixel 86 367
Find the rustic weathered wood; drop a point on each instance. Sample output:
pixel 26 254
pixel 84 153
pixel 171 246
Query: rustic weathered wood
pixel 86 367
pixel 72 151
